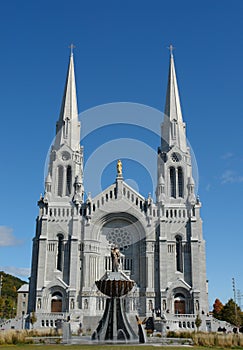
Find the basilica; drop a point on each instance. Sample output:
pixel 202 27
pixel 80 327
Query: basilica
pixel 160 241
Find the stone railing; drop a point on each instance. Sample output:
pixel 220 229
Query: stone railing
pixel 127 193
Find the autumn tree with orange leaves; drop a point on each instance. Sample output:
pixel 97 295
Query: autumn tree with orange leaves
pixel 217 308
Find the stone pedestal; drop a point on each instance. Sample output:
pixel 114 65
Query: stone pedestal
pixel 114 325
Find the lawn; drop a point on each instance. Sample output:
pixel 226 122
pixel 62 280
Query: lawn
pixel 100 347
pixel 88 347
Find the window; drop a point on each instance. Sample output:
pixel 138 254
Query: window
pixel 69 181
pixel 172 183
pixel 60 181
pixel 180 182
pixel 59 252
pixel 179 263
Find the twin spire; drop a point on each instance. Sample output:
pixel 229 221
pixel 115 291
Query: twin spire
pixel 173 129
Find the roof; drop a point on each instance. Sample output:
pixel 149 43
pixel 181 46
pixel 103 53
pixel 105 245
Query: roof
pixel 24 288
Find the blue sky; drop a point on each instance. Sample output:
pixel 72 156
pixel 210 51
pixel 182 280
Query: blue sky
pixel 121 56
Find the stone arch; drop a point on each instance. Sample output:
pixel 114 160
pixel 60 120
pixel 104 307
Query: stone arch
pixel 55 292
pixel 182 301
pixel 127 232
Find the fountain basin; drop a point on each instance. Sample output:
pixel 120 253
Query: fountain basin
pixel 114 288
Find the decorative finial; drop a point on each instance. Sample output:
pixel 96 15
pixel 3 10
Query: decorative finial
pixel 171 48
pixel 119 167
pixel 71 47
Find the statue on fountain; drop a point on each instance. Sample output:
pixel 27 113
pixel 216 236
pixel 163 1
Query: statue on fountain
pixel 115 259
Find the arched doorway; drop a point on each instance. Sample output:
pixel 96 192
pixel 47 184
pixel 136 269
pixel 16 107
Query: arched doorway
pixel 56 302
pixel 179 304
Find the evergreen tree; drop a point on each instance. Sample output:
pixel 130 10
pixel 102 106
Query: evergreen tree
pixel 33 318
pixel 231 313
pixel 198 322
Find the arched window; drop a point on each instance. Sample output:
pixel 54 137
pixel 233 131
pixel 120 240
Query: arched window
pixel 60 181
pixel 59 252
pixel 172 182
pixel 180 182
pixel 179 262
pixel 69 181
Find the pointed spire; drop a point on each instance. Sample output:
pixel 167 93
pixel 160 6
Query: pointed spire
pixel 69 109
pixel 173 129
pixel 68 126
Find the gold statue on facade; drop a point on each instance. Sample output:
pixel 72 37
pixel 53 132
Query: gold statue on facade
pixel 119 167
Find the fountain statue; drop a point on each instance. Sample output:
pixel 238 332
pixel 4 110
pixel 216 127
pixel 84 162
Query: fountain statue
pixel 114 325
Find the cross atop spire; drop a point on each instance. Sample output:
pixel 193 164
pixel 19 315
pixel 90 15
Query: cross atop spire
pixel 71 47
pixel 171 48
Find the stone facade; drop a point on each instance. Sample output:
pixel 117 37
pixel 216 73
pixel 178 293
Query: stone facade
pixel 161 242
pixel 22 303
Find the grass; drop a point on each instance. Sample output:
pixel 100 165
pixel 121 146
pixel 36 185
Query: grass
pixel 24 339
pixel 100 347
pixel 95 347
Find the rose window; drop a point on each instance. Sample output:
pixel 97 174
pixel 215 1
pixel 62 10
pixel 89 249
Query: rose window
pixel 119 237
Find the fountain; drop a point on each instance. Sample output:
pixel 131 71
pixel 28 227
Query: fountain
pixel 114 325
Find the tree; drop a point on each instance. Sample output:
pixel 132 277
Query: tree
pixel 8 298
pixel 1 307
pixel 198 322
pixel 231 313
pixel 8 308
pixel 33 318
pixel 217 308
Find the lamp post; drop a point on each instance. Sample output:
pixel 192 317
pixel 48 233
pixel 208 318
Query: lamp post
pixel 234 291
pixel 1 284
